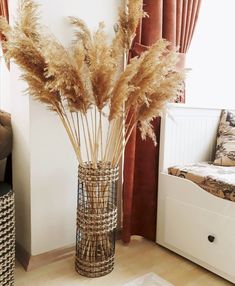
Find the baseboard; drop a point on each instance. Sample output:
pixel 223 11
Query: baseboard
pixel 31 262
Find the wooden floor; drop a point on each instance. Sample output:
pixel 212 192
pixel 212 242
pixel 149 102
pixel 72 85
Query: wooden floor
pixel 133 260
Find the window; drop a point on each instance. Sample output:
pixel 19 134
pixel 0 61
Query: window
pixel 211 57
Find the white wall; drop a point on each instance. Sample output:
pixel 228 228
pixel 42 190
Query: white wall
pixel 212 57
pixel 45 169
pixel 21 158
pixel 5 103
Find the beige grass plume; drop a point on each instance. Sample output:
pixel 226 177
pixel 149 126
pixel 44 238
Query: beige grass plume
pixel 123 88
pixel 64 77
pixel 27 19
pixel 81 32
pixel 130 14
pixel 24 47
pixel 102 67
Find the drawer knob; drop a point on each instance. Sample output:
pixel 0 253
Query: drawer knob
pixel 211 238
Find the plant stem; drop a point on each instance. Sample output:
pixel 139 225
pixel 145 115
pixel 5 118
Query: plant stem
pixel 110 141
pixel 71 137
pixel 107 139
pixel 101 136
pixel 92 128
pixel 124 145
pixel 79 136
pixel 84 132
pixel 91 146
pixel 75 129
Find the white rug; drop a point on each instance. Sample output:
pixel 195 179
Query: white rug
pixel 149 279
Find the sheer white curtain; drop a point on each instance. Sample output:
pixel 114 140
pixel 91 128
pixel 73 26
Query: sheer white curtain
pixel 5 103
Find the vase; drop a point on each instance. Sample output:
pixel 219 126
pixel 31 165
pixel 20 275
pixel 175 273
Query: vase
pixel 96 219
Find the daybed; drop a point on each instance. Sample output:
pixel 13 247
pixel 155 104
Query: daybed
pixel 190 220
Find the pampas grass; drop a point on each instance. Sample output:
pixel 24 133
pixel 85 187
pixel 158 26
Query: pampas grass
pixel 130 14
pixel 85 85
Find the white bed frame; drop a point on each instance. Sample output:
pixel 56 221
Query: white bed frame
pixel 187 215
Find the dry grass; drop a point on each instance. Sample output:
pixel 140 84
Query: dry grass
pixel 84 81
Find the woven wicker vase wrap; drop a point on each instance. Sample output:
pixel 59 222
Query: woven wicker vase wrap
pixel 96 219
pixel 7 239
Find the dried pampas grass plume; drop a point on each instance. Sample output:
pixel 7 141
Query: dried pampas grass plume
pixel 123 88
pixel 24 47
pixel 4 27
pixel 102 67
pixel 81 33
pixel 130 14
pixel 84 83
pixel 64 77
pixel 27 19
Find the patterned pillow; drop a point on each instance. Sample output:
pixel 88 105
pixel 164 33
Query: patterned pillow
pixel 225 147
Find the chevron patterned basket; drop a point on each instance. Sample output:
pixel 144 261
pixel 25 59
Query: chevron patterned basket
pixel 7 238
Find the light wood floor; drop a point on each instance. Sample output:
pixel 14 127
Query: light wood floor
pixel 133 260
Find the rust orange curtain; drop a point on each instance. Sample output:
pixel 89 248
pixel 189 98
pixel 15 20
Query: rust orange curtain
pixel 175 21
pixel 4 12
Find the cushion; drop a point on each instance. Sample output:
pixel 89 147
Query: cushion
pixel 225 146
pixel 5 134
pixel 217 180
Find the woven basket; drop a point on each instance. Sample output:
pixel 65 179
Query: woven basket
pixel 7 239
pixel 96 219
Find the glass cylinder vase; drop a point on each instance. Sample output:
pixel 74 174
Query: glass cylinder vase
pixel 96 219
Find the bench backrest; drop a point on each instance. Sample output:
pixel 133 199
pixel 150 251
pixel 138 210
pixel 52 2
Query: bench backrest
pixel 188 135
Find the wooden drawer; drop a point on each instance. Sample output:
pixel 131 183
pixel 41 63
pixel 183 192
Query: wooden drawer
pixel 187 228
